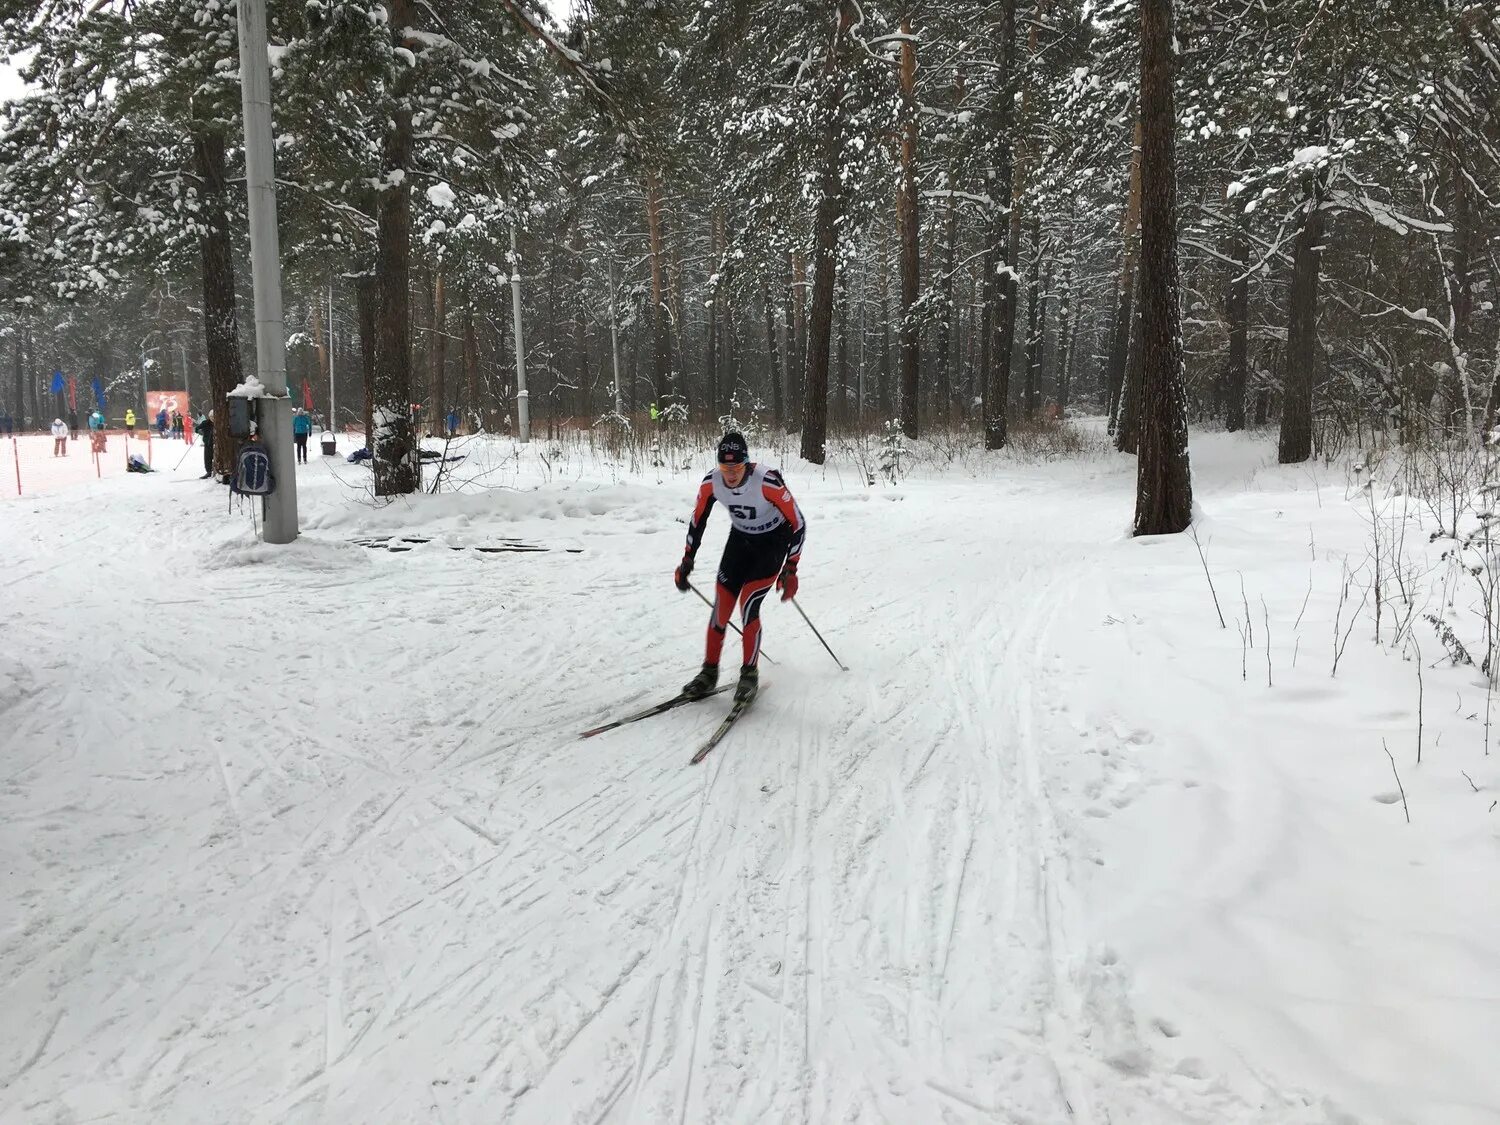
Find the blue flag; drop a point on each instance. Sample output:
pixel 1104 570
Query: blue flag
pixel 57 383
pixel 98 392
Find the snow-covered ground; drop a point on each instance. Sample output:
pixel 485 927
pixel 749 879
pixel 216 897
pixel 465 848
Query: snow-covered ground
pixel 306 834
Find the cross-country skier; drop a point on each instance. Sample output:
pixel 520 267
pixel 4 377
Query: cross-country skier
pixel 764 547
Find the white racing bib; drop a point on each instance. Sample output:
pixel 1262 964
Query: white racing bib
pixel 748 508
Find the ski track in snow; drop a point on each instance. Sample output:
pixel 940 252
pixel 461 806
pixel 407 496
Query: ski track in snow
pixel 381 880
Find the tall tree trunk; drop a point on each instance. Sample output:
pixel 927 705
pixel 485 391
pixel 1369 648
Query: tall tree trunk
pixel 729 369
pixel 1010 292
pixel 34 382
pixel 796 326
pixel 1036 321
pixel 220 316
pixel 1001 290
pixel 633 367
pixel 396 464
pixel 1464 242
pixel 711 340
pixel 987 286
pixel 660 326
pixel 1066 329
pixel 676 321
pixel 367 304
pixel 908 220
pixel 195 360
pixel 972 328
pixel 1237 312
pixel 1127 423
pixel 19 358
pixel 320 336
pixel 1295 444
pixel 439 352
pixel 732 354
pixel 507 410
pixel 1119 350
pixel 1164 487
pixel 773 361
pixel 844 405
pixel 580 331
pixel 947 324
pixel 825 244
pixel 471 362
pixel 556 378
pixel 883 372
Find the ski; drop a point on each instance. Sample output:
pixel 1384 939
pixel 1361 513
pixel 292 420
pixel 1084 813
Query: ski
pixel 718 735
pixel 660 709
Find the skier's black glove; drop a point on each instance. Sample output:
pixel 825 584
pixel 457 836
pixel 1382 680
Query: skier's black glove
pixel 680 575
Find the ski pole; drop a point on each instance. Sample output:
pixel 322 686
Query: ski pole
pixel 732 625
pixel 819 635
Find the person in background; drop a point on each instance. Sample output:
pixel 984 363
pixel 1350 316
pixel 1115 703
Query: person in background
pixel 59 438
pixel 452 423
pixel 205 427
pixel 130 423
pixel 73 423
pixel 177 425
pixel 7 424
pixel 301 430
pixel 161 422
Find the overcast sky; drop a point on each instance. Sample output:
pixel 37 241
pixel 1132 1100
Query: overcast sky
pixel 9 83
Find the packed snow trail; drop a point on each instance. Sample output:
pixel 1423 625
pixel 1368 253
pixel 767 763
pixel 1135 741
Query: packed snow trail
pixel 307 834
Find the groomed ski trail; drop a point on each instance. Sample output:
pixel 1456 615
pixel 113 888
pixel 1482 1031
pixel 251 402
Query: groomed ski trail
pixel 443 906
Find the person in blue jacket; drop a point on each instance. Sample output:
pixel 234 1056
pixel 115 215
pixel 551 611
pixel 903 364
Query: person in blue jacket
pixel 301 430
pixel 452 422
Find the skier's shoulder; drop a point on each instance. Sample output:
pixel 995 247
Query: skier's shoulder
pixel 771 478
pixel 705 491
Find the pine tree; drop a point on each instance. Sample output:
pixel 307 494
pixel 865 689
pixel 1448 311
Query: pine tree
pixel 1164 489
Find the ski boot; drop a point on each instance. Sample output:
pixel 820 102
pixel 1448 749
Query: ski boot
pixel 702 685
pixel 749 684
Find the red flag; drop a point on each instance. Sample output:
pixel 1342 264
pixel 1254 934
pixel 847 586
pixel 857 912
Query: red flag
pixel 72 393
pixel 307 395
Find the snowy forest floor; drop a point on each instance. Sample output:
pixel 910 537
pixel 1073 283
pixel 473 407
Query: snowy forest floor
pixel 306 834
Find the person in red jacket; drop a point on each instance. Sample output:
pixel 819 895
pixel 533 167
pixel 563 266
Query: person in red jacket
pixel 764 548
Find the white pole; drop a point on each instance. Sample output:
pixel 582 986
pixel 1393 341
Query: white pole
pixel 523 396
pixel 265 271
pixel 614 335
pixel 333 413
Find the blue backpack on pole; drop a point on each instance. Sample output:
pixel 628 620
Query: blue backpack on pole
pixel 252 471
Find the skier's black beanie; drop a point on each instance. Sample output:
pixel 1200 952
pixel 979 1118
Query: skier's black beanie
pixel 733 450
